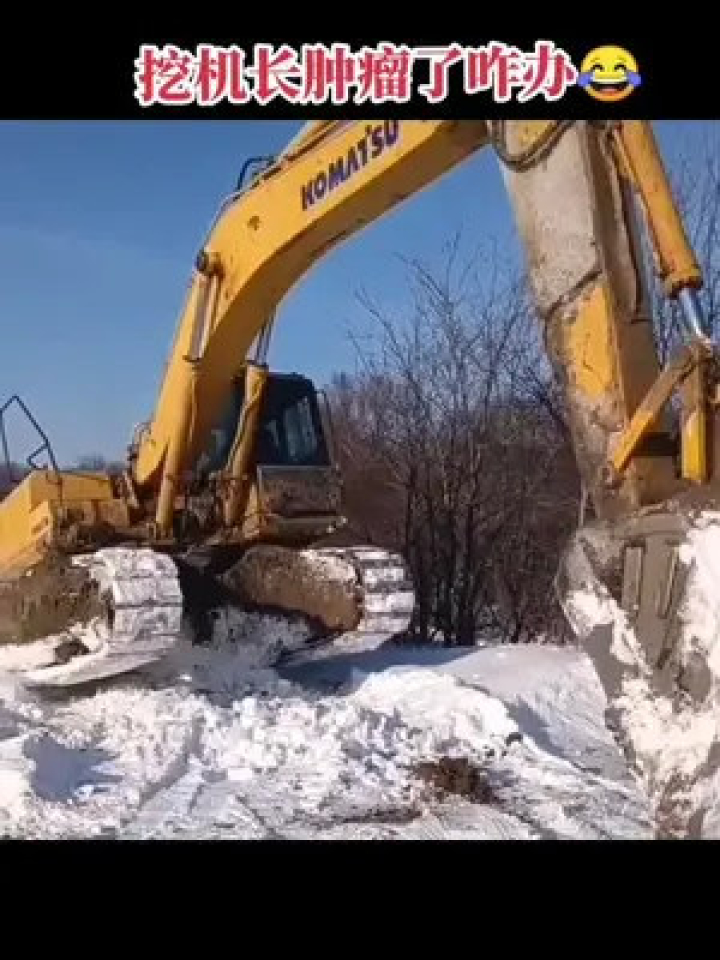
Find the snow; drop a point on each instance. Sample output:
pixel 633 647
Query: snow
pixel 213 743
pixel 674 749
pixel 330 565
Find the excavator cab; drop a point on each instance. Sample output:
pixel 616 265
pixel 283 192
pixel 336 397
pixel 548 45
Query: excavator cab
pixel 292 431
pixel 280 458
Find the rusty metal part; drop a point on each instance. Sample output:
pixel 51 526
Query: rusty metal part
pixel 333 590
pixel 48 600
pixel 286 492
pixel 282 579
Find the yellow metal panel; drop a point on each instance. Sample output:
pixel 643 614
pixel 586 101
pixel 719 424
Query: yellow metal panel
pixel 27 514
pixel 694 447
pixel 68 487
pixel 591 354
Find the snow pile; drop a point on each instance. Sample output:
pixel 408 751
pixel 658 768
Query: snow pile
pixel 241 644
pixel 676 751
pixel 15 658
pixel 566 779
pixel 206 746
pixel 701 611
pixel 232 740
pixel 330 565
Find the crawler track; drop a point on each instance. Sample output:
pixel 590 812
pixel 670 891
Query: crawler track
pixel 122 608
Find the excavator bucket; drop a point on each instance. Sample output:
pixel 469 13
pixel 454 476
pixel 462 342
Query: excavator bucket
pixel 643 597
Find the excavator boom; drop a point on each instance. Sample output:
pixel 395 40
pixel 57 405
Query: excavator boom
pixel 334 181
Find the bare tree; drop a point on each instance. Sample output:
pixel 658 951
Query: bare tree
pixel 442 416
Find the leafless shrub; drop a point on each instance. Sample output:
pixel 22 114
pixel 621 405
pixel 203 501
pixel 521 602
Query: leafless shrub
pixel 454 421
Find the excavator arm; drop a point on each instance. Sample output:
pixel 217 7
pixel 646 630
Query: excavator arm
pixel 637 582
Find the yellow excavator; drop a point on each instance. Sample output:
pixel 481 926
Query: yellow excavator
pixel 231 490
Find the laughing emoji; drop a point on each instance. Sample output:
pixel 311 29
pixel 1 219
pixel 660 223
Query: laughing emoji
pixel 609 73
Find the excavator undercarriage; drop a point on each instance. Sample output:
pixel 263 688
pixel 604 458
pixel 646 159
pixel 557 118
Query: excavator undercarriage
pixel 121 608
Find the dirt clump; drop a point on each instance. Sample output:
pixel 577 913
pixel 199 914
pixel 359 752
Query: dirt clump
pixel 50 599
pixel 457 776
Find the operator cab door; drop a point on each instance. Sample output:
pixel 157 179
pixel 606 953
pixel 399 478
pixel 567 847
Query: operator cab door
pixel 297 482
pixel 293 485
pixel 291 432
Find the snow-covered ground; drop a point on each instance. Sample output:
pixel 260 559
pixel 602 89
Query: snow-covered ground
pixel 326 748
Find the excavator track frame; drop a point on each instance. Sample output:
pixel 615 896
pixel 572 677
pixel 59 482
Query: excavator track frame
pixel 120 609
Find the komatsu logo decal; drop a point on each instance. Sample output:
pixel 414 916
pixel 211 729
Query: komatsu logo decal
pixel 376 141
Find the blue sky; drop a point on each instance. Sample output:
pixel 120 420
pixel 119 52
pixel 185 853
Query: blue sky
pixel 99 226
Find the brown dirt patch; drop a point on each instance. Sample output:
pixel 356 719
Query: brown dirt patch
pixel 457 777
pixel 47 601
pixel 269 577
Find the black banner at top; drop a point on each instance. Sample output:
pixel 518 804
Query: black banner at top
pixel 233 77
